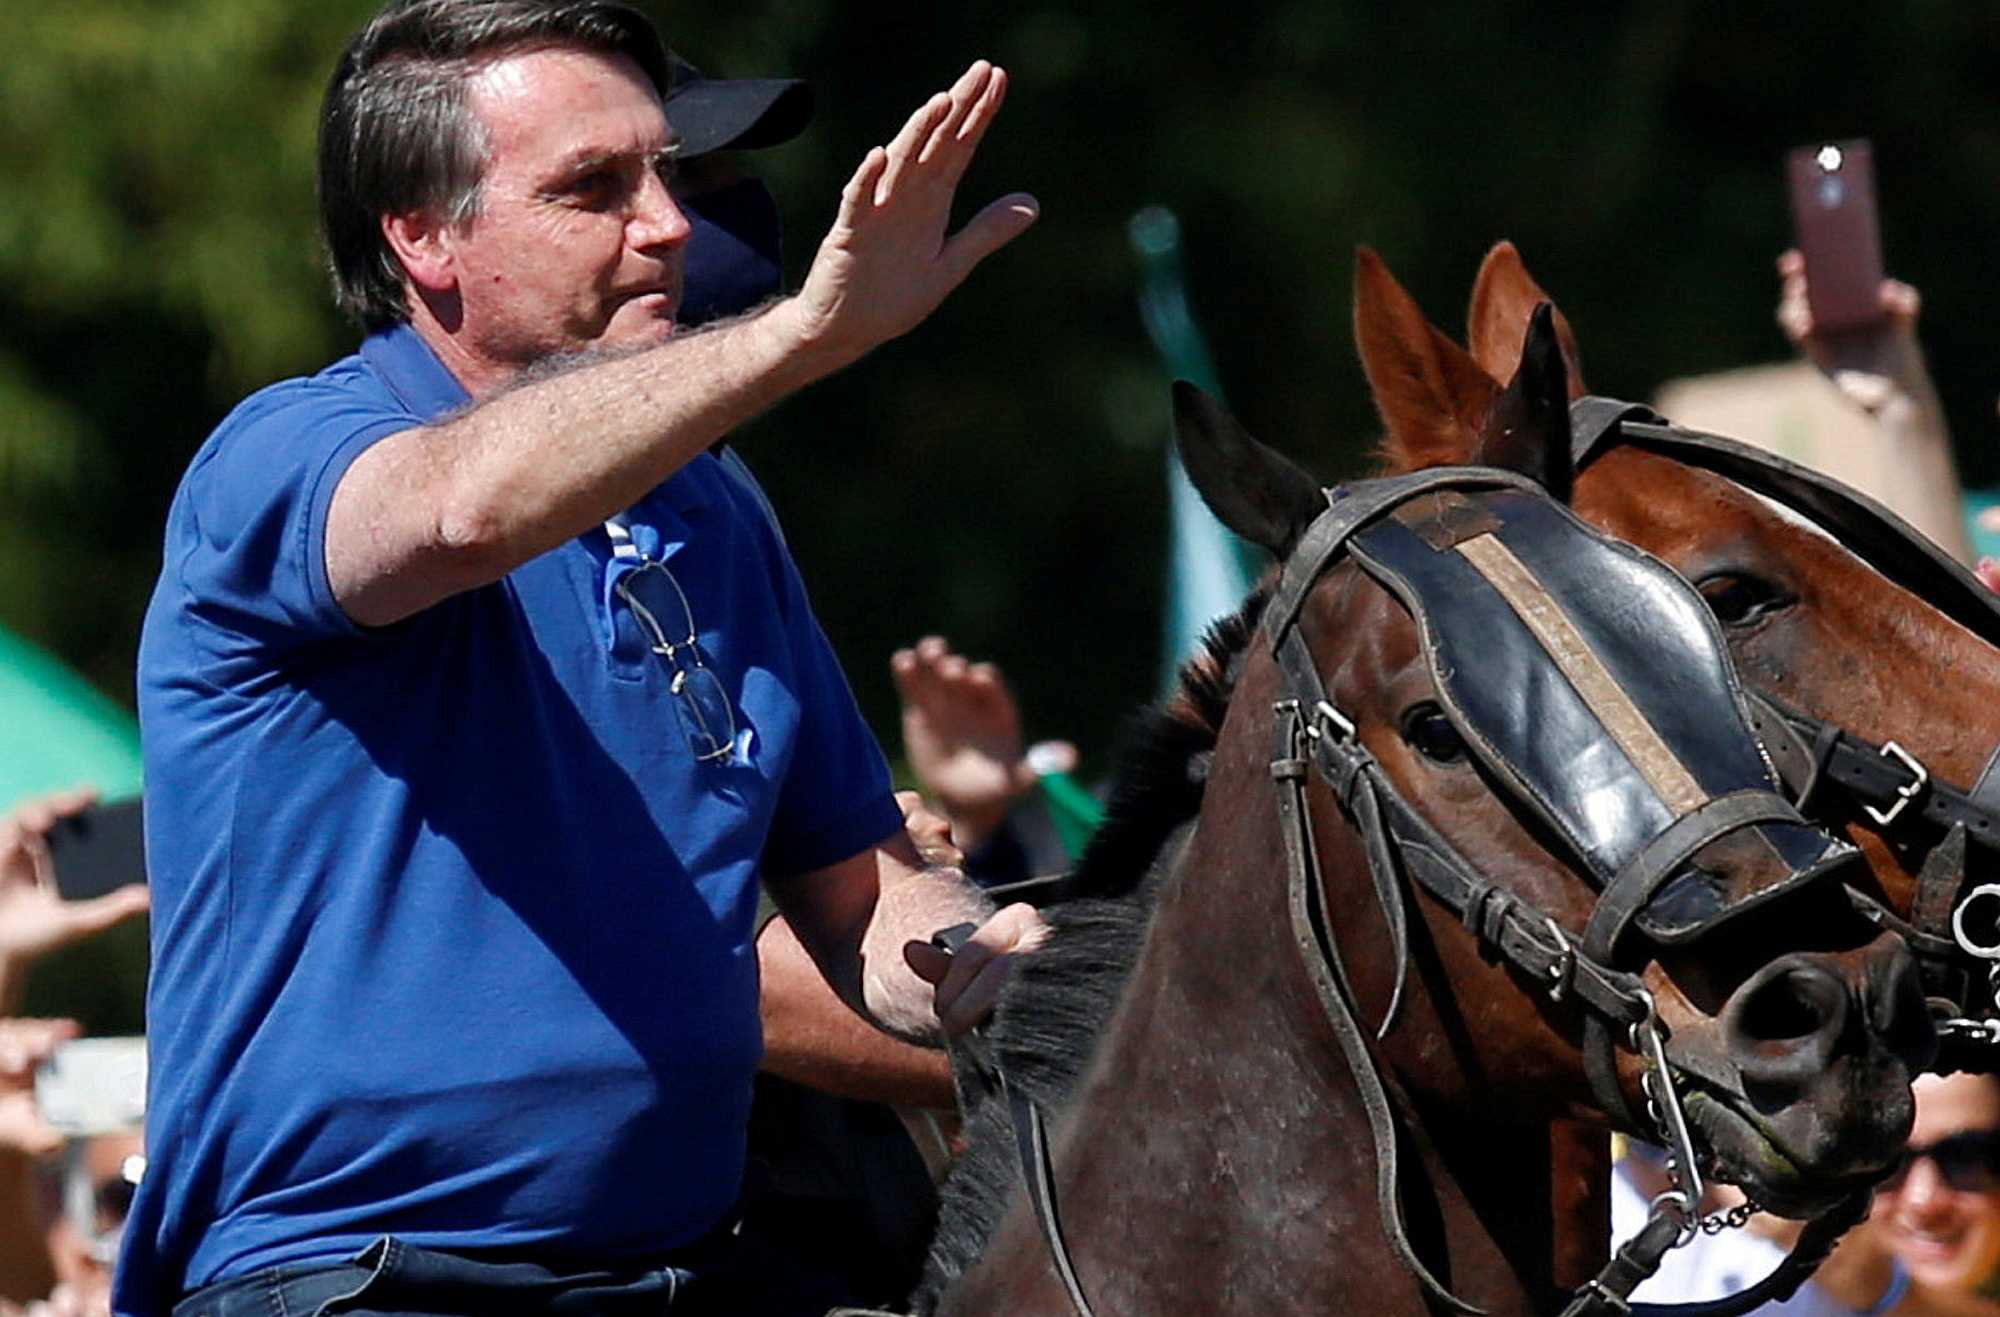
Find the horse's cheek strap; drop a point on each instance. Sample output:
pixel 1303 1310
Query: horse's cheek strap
pixel 1600 1067
pixel 1346 764
pixel 1986 791
pixel 1320 955
pixel 1799 762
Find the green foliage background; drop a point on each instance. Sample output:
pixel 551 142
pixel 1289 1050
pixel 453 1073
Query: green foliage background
pixel 997 475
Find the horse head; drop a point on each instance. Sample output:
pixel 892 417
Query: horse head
pixel 1844 654
pixel 1564 743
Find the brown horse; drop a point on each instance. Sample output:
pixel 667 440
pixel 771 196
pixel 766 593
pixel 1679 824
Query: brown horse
pixel 1218 1118
pixel 1808 620
pixel 1809 623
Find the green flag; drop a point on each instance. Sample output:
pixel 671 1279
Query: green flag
pixel 1209 570
pixel 57 730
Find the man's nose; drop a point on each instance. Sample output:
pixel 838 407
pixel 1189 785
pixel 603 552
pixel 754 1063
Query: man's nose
pixel 1922 1186
pixel 657 220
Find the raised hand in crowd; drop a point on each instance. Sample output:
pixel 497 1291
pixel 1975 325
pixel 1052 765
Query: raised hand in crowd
pixel 24 1045
pixel 1867 364
pixel 962 733
pixel 34 918
pixel 26 1268
pixel 1881 370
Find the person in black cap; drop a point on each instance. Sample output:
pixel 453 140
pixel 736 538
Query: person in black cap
pixel 479 700
pixel 734 259
pixel 837 1186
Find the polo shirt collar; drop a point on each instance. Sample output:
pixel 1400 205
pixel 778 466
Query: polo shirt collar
pixel 413 373
pixel 419 381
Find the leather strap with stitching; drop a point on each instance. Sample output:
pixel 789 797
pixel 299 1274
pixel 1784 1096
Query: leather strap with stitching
pixel 1810 752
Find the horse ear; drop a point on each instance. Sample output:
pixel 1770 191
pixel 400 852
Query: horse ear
pixel 1254 490
pixel 1528 429
pixel 1504 295
pixel 1432 396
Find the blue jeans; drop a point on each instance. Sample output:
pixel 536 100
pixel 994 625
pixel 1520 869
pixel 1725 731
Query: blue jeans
pixel 391 1278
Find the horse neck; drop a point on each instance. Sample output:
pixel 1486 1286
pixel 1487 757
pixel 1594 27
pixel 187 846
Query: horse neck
pixel 1217 1153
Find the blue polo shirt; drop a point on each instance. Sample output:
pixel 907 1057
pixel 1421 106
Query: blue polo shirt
pixel 451 933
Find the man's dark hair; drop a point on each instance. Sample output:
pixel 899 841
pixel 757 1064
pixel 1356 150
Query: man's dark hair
pixel 396 134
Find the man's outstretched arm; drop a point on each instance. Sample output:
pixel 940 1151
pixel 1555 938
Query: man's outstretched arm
pixel 436 510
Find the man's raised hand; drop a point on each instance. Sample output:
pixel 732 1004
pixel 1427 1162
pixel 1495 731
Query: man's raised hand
pixel 888 262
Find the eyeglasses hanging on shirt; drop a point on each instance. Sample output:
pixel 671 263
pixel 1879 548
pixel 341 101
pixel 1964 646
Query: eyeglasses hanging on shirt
pixel 661 608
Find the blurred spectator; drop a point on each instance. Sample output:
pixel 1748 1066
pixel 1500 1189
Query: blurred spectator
pixel 1882 372
pixel 26 1139
pixel 88 1193
pixel 1929 1248
pixel 1938 1218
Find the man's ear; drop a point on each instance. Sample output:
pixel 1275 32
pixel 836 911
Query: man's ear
pixel 424 247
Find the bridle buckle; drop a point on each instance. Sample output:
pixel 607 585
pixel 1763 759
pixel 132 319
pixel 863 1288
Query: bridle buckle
pixel 1562 970
pixel 1905 793
pixel 1324 714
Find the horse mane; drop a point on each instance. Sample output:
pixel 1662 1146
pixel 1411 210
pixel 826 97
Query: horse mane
pixel 1162 764
pixel 1054 1009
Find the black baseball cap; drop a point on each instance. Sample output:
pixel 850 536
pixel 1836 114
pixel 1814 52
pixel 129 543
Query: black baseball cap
pixel 734 114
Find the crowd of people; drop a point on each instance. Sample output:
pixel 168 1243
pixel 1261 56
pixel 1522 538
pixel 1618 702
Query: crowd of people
pixel 534 924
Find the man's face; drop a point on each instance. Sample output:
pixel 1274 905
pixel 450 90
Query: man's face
pixel 1946 1235
pixel 577 243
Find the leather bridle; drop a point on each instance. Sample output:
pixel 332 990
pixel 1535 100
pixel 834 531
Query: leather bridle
pixel 1311 734
pixel 1819 760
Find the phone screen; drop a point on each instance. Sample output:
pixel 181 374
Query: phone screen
pixel 100 849
pixel 1834 222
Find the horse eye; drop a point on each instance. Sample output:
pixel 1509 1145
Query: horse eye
pixel 1427 730
pixel 1740 600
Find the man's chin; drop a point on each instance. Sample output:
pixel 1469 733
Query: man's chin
pixel 642 320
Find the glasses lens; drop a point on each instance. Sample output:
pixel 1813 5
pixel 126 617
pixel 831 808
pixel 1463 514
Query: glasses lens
pixel 662 609
pixel 706 713
pixel 114 1200
pixel 659 605
pixel 1966 1160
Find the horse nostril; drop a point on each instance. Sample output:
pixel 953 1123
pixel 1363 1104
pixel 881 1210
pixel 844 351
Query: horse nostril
pixel 1897 1011
pixel 1784 1011
pixel 1782 1025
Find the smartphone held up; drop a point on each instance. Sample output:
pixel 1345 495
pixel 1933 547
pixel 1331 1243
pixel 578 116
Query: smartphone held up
pixel 1836 229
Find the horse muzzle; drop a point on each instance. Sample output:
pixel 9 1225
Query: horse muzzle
pixel 1800 1085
